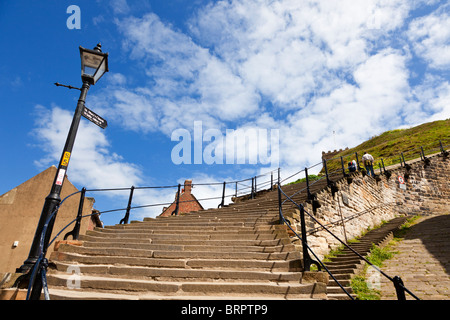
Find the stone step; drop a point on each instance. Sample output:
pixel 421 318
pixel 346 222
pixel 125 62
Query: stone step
pixel 239 251
pixel 187 233
pixel 243 213
pixel 209 222
pixel 268 265
pixel 164 288
pixel 349 269
pixel 187 236
pixel 168 254
pixel 61 294
pixel 250 210
pixel 346 264
pixel 338 290
pixel 217 243
pixel 343 282
pixel 339 296
pixel 361 250
pixel 343 260
pixel 254 214
pixel 180 247
pixel 267 210
pixel 188 230
pixel 340 276
pixel 208 228
pixel 179 274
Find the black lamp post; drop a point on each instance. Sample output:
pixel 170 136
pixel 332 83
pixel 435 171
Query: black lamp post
pixel 94 64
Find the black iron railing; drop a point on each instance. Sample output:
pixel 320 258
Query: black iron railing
pixel 307 261
pixel 242 189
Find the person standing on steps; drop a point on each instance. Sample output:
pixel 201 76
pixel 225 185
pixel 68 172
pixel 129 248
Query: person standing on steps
pixel 368 160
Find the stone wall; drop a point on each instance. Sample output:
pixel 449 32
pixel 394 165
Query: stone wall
pixel 20 211
pixel 363 202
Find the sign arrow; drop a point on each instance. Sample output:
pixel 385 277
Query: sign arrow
pixel 93 117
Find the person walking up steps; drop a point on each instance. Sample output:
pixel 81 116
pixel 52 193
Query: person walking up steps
pixel 368 163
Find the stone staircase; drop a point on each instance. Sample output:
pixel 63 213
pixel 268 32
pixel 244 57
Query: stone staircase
pixel 236 252
pixel 347 264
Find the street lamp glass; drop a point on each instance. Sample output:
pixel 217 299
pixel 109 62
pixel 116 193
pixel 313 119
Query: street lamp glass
pixel 94 63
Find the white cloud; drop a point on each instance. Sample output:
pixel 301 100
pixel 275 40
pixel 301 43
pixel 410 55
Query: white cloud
pixel 183 82
pixel 119 6
pixel 430 37
pixel 432 101
pixel 350 113
pixel 289 50
pixel 92 164
pixel 327 74
pixel 306 67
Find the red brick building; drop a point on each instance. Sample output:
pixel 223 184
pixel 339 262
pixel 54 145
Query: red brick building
pixel 188 202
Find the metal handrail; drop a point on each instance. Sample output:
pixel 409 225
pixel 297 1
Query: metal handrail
pixel 307 261
pixel 41 264
pixel 398 283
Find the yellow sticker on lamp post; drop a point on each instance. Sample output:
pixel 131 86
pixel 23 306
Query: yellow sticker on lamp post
pixel 65 159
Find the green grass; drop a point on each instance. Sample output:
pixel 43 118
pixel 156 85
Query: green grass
pixel 311 177
pixel 359 284
pixel 362 290
pixel 390 144
pixel 377 256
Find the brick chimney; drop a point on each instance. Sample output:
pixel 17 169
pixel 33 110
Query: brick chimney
pixel 187 186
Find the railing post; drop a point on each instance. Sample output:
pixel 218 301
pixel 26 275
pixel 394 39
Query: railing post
pixel 255 186
pixel 425 159
pixel 271 181
pixel 384 168
pixel 76 229
pixel 307 185
pixel 307 261
pixel 223 197
pixel 403 158
pixel 177 204
pixel 326 171
pixel 235 190
pixel 444 152
pixel 252 194
pixel 399 288
pixel 423 154
pixel 357 161
pixel 127 214
pixel 280 214
pixel 342 165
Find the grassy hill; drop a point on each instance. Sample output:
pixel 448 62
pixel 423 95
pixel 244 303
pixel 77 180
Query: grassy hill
pixel 390 144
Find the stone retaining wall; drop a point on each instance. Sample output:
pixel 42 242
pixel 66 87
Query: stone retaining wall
pixel 364 202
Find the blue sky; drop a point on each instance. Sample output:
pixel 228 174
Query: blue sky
pixel 324 74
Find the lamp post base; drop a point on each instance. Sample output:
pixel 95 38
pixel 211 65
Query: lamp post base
pixel 46 222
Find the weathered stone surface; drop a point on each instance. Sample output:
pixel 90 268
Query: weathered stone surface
pixel 365 202
pixel 422 261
